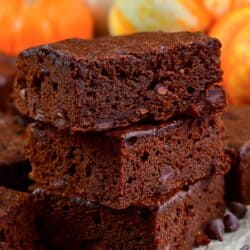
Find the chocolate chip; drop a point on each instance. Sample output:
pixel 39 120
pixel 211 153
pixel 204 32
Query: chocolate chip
pixel 238 209
pixel 215 229
pixel 44 72
pixel 231 222
pixel 59 122
pixel 215 96
pixel 245 247
pixel 161 90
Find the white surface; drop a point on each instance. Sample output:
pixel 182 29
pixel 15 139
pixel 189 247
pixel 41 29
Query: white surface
pixel 235 240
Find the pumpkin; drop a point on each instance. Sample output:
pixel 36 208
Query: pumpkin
pixel 233 30
pixel 216 8
pixel 100 12
pixel 25 23
pixel 147 15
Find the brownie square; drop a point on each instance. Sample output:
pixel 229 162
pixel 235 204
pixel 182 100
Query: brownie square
pixel 17 227
pixel 114 82
pixel 236 138
pixel 7 74
pixel 14 167
pixel 119 167
pixel 166 222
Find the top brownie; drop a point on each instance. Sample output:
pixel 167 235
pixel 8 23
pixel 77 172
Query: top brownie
pixel 117 81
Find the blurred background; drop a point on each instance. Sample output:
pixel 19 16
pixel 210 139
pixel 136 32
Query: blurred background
pixel 26 23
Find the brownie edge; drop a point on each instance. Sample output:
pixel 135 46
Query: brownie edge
pixel 117 81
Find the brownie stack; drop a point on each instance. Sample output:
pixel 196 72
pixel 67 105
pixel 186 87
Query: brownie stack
pixel 125 148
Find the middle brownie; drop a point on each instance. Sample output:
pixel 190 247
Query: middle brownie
pixel 121 167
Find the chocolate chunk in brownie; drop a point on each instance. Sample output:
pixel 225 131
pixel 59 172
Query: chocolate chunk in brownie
pixel 17 221
pixel 117 81
pixel 7 73
pixel 119 167
pixel 237 145
pixel 14 167
pixel 166 222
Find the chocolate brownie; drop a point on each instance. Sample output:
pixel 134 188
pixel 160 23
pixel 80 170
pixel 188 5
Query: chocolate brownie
pixel 118 167
pixel 17 227
pixel 14 167
pixel 117 81
pixel 7 74
pixel 237 145
pixel 166 222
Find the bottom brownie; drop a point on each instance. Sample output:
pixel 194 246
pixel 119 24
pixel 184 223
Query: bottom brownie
pixel 68 222
pixel 237 145
pixel 17 228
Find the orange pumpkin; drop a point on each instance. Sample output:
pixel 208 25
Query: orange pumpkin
pixel 25 23
pixel 233 30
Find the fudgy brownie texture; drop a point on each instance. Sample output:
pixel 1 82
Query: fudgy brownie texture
pixel 170 222
pixel 117 81
pixel 7 74
pixel 236 138
pixel 17 227
pixel 119 167
pixel 14 167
